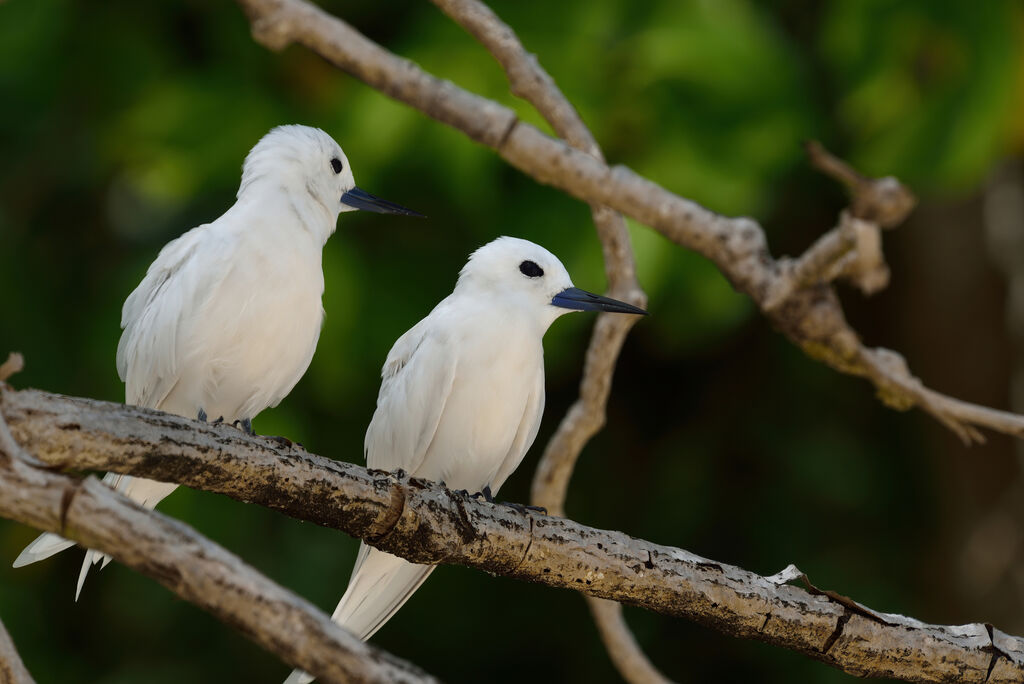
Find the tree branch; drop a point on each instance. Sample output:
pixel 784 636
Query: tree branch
pixel 625 652
pixel 12 670
pixel 14 363
pixel 187 563
pixel 528 80
pixel 425 523
pixel 810 316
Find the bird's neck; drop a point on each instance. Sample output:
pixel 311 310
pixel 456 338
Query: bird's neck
pixel 514 316
pixel 293 210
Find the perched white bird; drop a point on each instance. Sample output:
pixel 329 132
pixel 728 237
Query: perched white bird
pixel 461 400
pixel 226 320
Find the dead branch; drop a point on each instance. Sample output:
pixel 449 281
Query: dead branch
pixel 810 315
pixel 425 523
pixel 12 670
pixel 188 564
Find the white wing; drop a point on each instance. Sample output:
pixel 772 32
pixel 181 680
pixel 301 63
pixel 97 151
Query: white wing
pixel 150 356
pixel 147 493
pixel 417 380
pixel 184 276
pixel 526 433
pixel 415 383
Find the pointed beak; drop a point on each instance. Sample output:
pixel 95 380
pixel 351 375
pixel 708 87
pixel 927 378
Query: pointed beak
pixel 359 199
pixel 581 300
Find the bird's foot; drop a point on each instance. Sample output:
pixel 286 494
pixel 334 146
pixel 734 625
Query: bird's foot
pixel 201 417
pixel 484 494
pixel 245 425
pixel 524 509
pixel 283 441
pixel 218 421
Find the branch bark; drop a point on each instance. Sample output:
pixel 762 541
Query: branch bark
pixel 188 564
pixel 810 315
pixel 425 523
pixel 12 670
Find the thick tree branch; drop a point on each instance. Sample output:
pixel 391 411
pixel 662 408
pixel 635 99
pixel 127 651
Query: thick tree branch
pixel 188 564
pixel 12 670
pixel 810 315
pixel 425 523
pixel 528 80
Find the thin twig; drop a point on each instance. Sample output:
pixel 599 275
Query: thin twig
pixel 884 201
pixel 14 364
pixel 627 655
pixel 12 670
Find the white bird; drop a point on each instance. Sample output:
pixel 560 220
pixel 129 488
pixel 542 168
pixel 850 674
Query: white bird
pixel 461 399
pixel 226 319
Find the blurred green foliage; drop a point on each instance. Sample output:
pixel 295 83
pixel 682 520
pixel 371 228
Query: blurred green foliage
pixel 123 124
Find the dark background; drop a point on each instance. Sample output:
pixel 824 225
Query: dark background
pixel 123 124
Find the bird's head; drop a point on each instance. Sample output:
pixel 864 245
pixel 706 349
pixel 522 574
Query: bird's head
pixel 520 273
pixel 311 166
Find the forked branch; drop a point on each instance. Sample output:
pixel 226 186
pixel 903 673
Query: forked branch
pixel 808 313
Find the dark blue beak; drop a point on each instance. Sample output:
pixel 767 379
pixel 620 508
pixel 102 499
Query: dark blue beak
pixel 359 199
pixel 581 300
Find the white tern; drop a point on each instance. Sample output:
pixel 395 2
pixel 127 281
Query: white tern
pixel 461 399
pixel 226 319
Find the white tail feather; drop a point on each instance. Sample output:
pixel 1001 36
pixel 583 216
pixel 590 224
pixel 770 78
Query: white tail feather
pixel 145 492
pixel 380 585
pixel 298 677
pixel 44 546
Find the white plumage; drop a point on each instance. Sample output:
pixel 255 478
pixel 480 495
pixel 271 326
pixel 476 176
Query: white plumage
pixel 227 318
pixel 461 400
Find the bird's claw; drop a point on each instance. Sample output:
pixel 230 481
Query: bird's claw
pixel 484 494
pixel 524 509
pixel 201 416
pixel 283 441
pixel 245 425
pixel 218 421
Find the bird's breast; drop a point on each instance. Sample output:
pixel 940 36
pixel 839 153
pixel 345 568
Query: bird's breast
pixel 484 410
pixel 260 330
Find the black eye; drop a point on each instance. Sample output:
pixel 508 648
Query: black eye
pixel 336 165
pixel 529 268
